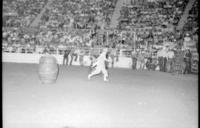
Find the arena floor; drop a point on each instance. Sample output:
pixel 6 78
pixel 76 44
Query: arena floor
pixel 132 99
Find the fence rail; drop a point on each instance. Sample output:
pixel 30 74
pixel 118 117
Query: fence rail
pixel 84 51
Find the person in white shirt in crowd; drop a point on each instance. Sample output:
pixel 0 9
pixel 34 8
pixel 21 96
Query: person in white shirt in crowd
pixel 99 66
pixel 134 59
pixel 140 60
pixel 165 58
pixel 170 60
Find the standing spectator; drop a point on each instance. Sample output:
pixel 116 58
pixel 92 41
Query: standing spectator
pixel 66 57
pixel 81 57
pixel 164 59
pixel 187 60
pixel 149 63
pixel 76 52
pixel 179 65
pixel 73 54
pixel 141 61
pixel 134 59
pixel 170 60
pixel 160 59
pixel 112 56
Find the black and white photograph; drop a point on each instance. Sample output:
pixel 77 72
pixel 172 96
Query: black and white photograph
pixel 100 63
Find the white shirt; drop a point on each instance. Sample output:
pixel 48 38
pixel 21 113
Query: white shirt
pixel 100 63
pixel 162 53
pixel 170 54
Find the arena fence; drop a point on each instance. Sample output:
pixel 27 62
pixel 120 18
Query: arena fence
pixel 122 62
pixel 120 58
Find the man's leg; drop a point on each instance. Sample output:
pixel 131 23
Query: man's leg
pixel 138 65
pixel 160 63
pixel 117 58
pixel 67 58
pixel 64 61
pixel 113 59
pixel 141 65
pixel 185 69
pixel 164 64
pixel 170 65
pixel 190 66
pixel 94 72
pixel 81 60
pixel 76 57
pixel 72 56
pixel 133 63
pixel 105 74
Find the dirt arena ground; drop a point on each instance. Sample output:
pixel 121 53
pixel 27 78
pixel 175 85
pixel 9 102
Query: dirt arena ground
pixel 131 99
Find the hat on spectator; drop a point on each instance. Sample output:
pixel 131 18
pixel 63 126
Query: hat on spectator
pixel 187 34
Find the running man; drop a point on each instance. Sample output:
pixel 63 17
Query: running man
pixel 99 66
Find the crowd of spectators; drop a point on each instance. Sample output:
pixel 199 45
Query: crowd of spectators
pixel 60 15
pixel 70 24
pixel 153 13
pixel 21 40
pixel 81 14
pixel 192 20
pixel 21 13
pixel 57 40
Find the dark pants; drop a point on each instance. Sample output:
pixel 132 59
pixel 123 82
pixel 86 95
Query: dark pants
pixel 164 64
pixel 65 59
pixel 160 63
pixel 187 69
pixel 134 62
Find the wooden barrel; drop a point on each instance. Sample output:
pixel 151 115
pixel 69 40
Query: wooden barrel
pixel 48 69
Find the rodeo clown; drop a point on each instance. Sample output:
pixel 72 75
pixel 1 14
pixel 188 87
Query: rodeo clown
pixel 100 65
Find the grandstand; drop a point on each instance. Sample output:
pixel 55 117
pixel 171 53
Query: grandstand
pixel 55 26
